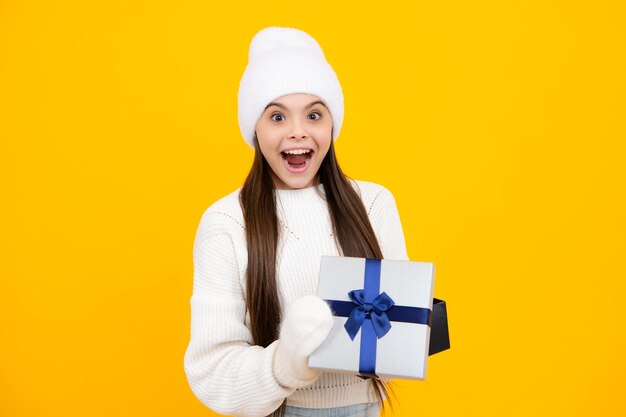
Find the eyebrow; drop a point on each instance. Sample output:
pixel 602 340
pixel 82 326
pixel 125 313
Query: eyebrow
pixel 282 106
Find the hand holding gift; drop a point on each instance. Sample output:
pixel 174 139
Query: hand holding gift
pixel 306 324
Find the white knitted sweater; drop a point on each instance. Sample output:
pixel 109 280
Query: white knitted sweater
pixel 224 369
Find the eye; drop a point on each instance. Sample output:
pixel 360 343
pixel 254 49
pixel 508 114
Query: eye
pixel 277 117
pixel 315 115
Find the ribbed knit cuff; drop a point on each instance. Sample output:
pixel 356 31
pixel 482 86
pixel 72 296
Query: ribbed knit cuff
pixel 291 374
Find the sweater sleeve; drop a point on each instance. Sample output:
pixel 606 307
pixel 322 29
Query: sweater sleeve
pixel 387 225
pixel 224 369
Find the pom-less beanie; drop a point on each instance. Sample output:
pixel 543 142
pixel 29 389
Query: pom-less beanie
pixel 285 61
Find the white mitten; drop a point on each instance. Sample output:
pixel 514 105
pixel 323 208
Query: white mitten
pixel 306 324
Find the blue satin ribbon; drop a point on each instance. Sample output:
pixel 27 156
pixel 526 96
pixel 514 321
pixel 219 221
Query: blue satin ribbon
pixel 372 313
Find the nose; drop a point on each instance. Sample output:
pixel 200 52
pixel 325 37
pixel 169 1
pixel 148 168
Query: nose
pixel 298 130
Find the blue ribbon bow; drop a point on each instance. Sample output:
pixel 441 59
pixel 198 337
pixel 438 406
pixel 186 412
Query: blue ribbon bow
pixel 374 310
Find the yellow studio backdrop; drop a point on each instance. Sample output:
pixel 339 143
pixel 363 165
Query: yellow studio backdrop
pixel 498 126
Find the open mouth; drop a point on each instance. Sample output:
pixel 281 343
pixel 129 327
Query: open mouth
pixel 297 159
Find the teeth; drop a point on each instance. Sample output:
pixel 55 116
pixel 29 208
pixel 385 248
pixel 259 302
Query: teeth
pixel 297 151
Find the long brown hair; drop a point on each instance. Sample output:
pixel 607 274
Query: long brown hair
pixel 351 226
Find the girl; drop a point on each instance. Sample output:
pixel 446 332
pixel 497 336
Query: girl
pixel 254 316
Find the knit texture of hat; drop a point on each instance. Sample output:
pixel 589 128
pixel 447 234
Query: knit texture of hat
pixel 285 61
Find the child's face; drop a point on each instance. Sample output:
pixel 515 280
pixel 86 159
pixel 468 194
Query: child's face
pixel 294 134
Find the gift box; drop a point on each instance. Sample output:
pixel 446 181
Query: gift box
pixel 382 311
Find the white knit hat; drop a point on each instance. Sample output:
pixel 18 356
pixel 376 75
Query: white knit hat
pixel 285 61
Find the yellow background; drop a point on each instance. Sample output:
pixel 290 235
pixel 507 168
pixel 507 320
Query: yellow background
pixel 499 127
